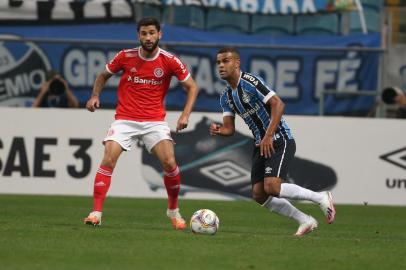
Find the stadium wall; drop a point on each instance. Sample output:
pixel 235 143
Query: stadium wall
pixel 57 151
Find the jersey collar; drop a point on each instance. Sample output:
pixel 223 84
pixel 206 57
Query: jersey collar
pixel 149 59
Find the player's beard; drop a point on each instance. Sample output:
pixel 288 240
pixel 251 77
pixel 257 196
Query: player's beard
pixel 151 48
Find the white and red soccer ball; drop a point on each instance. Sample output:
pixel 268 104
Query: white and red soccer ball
pixel 204 221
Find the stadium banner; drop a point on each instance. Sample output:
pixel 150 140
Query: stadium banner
pixel 124 10
pixel 271 6
pixel 57 151
pixel 298 76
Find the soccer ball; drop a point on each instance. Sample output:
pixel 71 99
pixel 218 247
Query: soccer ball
pixel 204 221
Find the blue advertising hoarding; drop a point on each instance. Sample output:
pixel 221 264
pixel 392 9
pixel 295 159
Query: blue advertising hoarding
pixel 297 76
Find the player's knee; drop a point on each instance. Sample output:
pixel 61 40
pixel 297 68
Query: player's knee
pixel 272 188
pixel 109 162
pixel 259 197
pixel 169 163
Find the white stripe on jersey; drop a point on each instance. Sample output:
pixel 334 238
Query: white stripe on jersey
pixel 108 70
pixel 268 97
pixel 185 79
pixel 131 50
pixel 166 53
pixel 228 114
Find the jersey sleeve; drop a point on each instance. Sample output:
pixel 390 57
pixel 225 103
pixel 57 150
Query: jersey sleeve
pixel 227 110
pixel 179 69
pixel 264 91
pixel 116 64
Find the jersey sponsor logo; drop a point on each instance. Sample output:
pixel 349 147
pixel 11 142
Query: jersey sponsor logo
pixel 251 111
pixel 251 79
pixel 181 65
pixel 139 80
pixel 158 72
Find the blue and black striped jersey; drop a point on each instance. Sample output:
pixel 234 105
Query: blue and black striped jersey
pixel 248 101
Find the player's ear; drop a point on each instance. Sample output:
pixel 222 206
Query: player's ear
pixel 160 34
pixel 238 62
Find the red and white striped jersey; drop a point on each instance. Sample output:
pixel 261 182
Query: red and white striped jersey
pixel 144 83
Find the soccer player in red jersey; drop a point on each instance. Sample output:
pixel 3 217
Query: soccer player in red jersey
pixel 140 113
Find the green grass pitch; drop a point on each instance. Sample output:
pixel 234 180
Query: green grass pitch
pixel 46 232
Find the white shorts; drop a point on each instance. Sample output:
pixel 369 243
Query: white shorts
pixel 126 132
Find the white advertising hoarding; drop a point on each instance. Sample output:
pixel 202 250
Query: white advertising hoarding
pixel 57 151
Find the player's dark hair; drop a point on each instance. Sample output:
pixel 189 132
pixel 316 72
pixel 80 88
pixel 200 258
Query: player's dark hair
pixel 147 21
pixel 230 49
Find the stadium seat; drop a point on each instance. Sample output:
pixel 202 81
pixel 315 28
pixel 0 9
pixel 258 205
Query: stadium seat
pixel 189 16
pixel 227 21
pixel 325 24
pixel 272 25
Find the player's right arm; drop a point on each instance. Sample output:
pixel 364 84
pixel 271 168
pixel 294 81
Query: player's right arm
pixel 227 129
pixel 112 68
pixel 94 101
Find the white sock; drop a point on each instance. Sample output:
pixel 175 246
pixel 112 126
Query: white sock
pixel 285 208
pixel 295 192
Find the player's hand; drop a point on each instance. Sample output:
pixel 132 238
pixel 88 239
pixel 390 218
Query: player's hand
pixel 93 103
pixel 214 129
pixel 266 147
pixel 182 123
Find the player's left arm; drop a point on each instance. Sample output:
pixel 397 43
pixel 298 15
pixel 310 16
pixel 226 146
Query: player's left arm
pixel 191 89
pixel 277 107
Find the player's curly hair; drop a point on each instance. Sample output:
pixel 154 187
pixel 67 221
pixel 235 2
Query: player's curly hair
pixel 148 21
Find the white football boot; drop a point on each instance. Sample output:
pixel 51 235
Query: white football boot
pixel 308 226
pixel 178 223
pixel 94 218
pixel 327 206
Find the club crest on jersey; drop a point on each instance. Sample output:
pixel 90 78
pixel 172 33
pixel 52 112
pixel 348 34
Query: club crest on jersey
pixel 158 72
pixel 245 97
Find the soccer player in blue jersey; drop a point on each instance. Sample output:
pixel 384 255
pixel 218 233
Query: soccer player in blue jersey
pixel 262 110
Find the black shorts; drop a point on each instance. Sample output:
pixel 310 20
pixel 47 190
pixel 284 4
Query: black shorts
pixel 275 166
